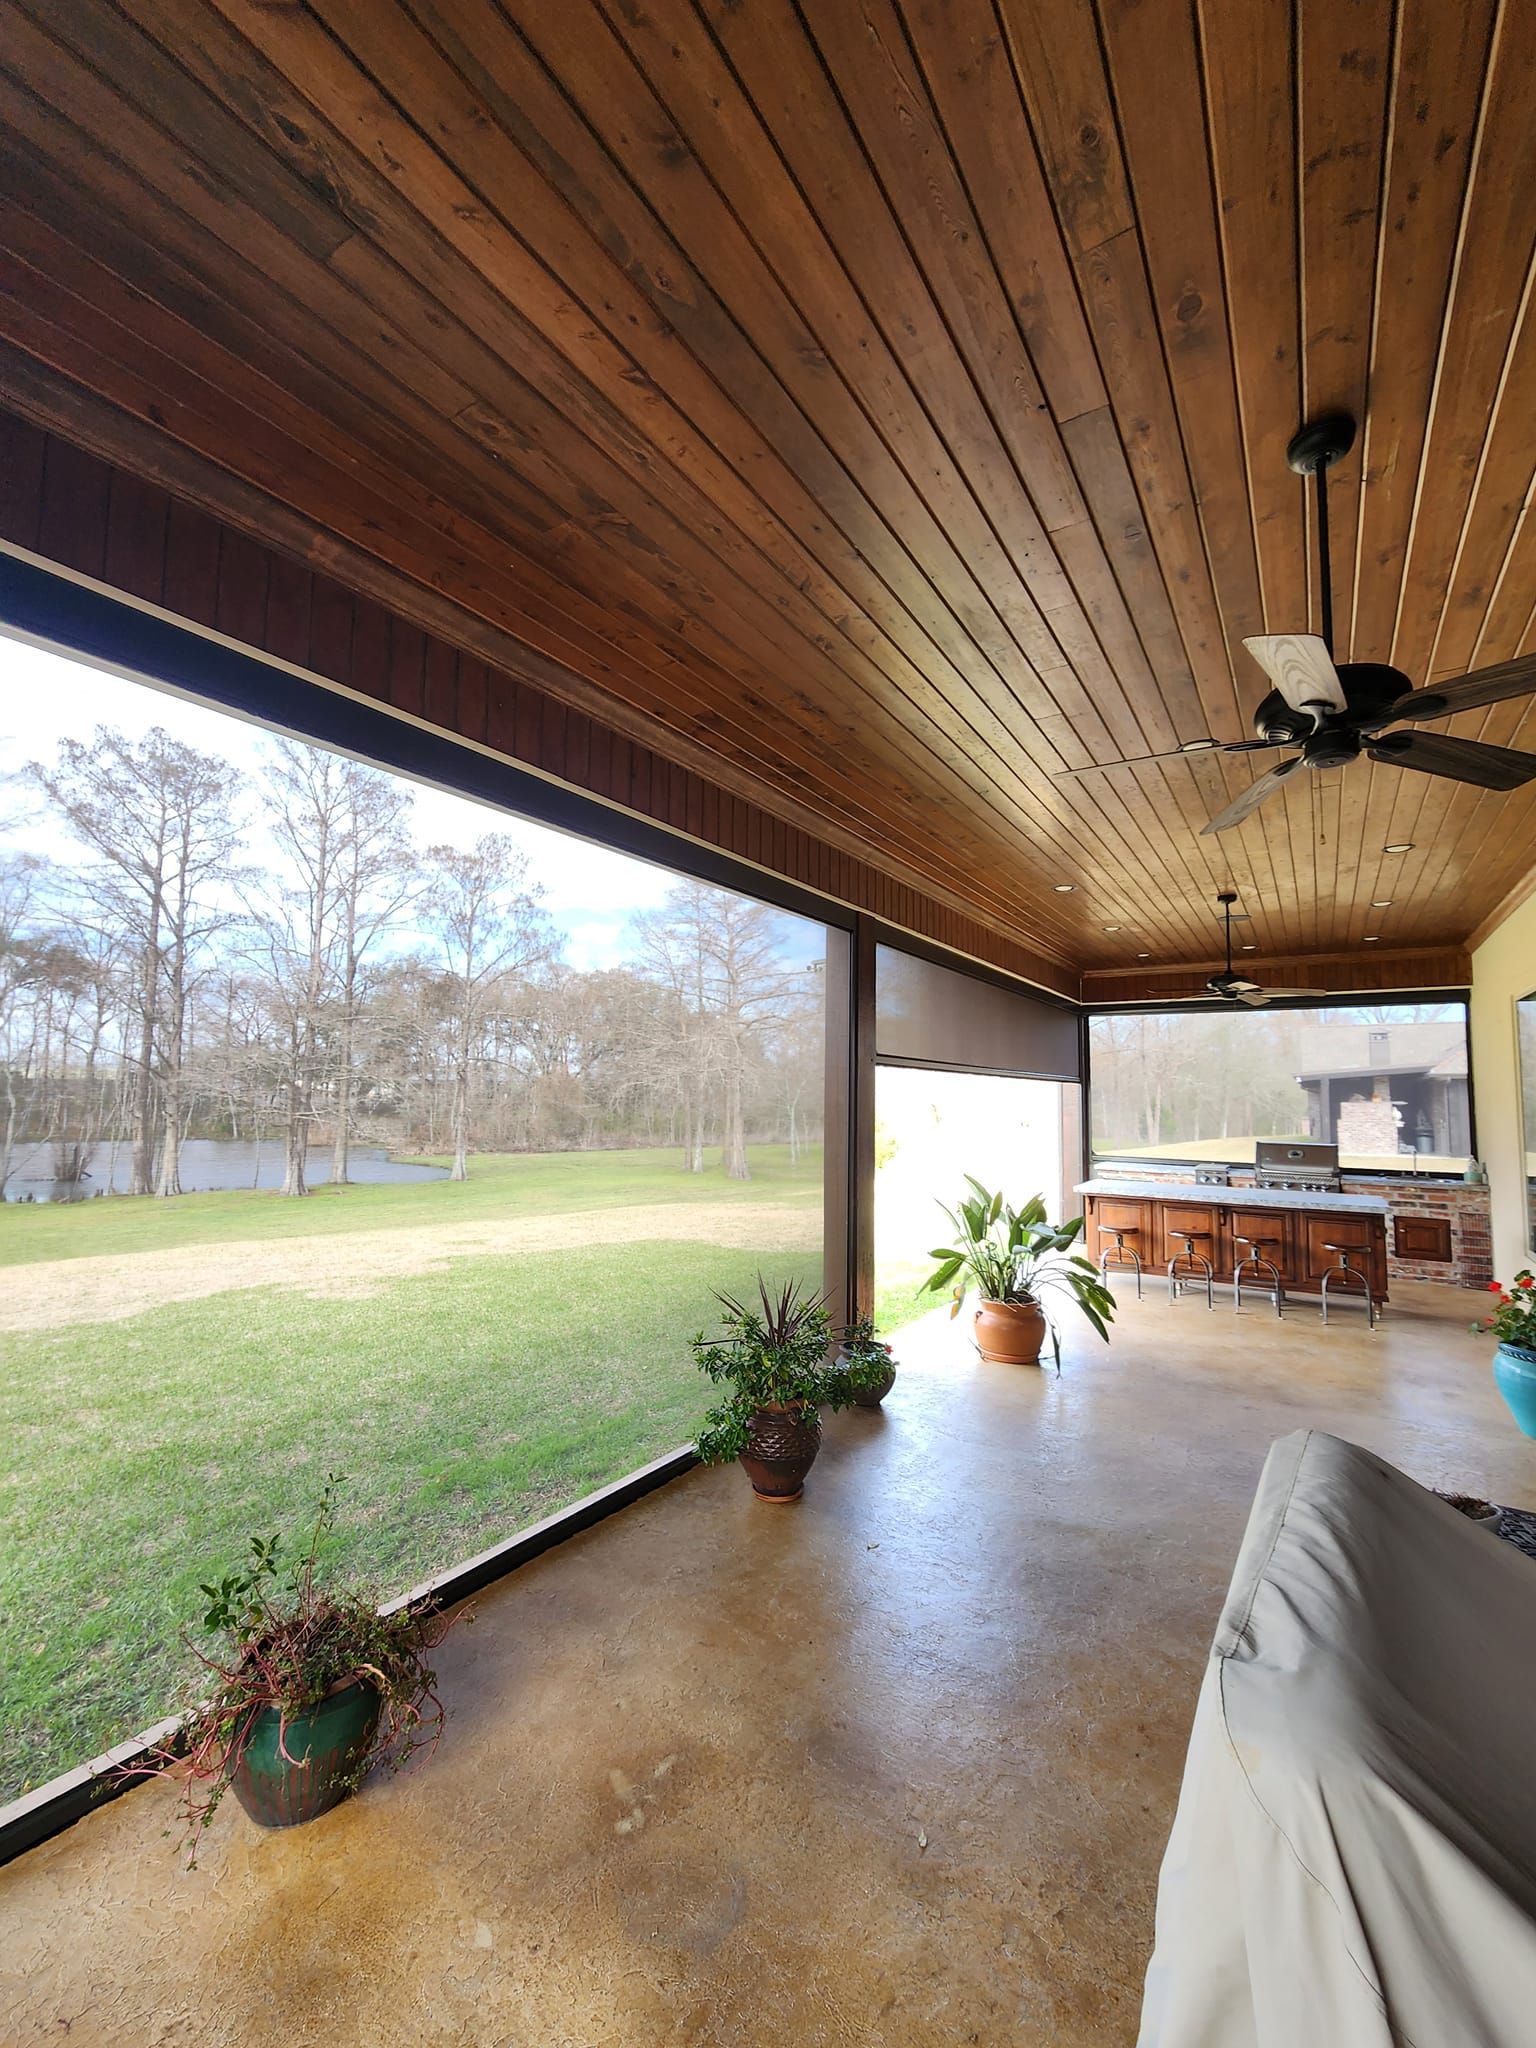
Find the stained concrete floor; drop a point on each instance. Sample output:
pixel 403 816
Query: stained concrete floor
pixel 892 1766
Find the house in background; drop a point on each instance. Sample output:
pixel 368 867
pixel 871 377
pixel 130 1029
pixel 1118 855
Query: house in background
pixel 1418 1071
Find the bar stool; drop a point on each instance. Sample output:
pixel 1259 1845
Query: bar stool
pixel 1125 1256
pixel 1199 1267
pixel 1257 1257
pixel 1349 1275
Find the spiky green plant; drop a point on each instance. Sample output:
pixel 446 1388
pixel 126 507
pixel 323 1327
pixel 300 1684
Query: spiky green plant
pixel 772 1356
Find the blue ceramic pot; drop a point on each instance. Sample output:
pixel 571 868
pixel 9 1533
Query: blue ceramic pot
pixel 1514 1374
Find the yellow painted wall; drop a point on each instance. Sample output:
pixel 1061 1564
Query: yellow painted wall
pixel 1503 969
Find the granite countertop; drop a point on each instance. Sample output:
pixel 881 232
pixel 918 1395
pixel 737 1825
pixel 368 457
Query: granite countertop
pixel 1239 1198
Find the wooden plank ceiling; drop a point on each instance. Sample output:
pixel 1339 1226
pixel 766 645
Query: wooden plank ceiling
pixel 889 394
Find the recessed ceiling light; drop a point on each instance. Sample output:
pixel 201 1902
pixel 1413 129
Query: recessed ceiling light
pixel 1143 956
pixel 1399 846
pixel 1064 888
pixel 1382 903
pixel 1371 938
pixel 1196 746
pixel 1111 927
pixel 1250 949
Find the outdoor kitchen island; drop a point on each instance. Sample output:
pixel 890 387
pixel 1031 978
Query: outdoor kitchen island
pixel 1151 1218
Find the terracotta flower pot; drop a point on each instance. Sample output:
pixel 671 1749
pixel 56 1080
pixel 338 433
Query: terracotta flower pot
pixel 1010 1332
pixel 872 1396
pixel 326 1743
pixel 782 1443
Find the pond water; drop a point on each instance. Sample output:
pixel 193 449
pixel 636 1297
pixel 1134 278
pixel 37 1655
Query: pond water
pixel 206 1163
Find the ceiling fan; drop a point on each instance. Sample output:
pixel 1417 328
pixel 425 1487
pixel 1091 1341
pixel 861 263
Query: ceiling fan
pixel 1236 988
pixel 1333 714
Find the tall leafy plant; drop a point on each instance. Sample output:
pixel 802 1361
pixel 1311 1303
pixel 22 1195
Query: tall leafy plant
pixel 1016 1255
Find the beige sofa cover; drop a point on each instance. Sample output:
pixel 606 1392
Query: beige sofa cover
pixel 1353 1860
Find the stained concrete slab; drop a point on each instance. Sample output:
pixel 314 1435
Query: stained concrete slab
pixel 892 1766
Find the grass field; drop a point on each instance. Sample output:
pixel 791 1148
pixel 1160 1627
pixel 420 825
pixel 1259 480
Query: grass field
pixel 533 1183
pixel 463 1401
pixel 898 1300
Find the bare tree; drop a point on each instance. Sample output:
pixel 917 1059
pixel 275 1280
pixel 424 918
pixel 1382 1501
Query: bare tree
pixel 720 957
pixel 296 915
pixel 157 990
pixel 160 818
pixel 674 950
pixel 377 879
pixel 493 934
pixel 20 937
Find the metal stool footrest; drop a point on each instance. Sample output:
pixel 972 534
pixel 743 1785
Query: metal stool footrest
pixel 1347 1274
pixel 1196 1267
pixel 1261 1263
pixel 1125 1256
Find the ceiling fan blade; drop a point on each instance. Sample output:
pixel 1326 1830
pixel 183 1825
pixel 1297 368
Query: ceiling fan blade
pixel 1253 997
pixel 1301 669
pixel 1515 678
pixel 1251 798
pixel 1436 753
pixel 1192 750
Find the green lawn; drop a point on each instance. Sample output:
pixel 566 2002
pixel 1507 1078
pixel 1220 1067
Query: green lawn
pixel 140 1454
pixel 898 1300
pixel 525 1183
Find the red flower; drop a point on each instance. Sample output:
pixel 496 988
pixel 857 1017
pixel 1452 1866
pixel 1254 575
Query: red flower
pixel 1525 1280
pixel 1495 1287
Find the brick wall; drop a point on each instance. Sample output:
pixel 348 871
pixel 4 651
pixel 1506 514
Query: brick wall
pixel 1464 1208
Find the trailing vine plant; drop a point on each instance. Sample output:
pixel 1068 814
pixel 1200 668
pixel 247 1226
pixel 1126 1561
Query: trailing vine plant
pixel 285 1641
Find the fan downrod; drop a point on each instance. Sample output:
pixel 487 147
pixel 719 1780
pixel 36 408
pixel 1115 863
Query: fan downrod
pixel 1321 443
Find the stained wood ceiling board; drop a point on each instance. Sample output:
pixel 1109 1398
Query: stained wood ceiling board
pixel 891 398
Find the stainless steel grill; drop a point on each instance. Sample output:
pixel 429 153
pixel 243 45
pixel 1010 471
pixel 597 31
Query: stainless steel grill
pixel 1283 1163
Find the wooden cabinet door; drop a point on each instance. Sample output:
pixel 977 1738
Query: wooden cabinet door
pixel 1427 1238
pixel 1278 1224
pixel 1110 1213
pixel 1316 1233
pixel 1202 1217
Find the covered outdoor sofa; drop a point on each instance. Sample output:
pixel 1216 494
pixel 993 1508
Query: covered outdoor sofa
pixel 1353 1860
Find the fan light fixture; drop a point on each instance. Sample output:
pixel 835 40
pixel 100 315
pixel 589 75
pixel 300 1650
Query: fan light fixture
pixel 1231 987
pixel 1323 715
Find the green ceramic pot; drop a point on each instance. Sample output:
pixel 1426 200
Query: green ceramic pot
pixel 326 1743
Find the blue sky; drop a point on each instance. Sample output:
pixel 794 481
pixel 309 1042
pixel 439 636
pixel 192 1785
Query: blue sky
pixel 591 892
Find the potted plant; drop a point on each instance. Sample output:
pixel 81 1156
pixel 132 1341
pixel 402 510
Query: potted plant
pixel 773 1359
pixel 312 1687
pixel 1015 1260
pixel 868 1363
pixel 1513 1322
